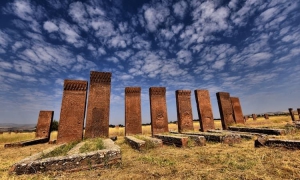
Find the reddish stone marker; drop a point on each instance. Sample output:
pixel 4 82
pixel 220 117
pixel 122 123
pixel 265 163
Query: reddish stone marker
pixel 184 111
pixel 254 116
pixel 237 110
pixel 292 114
pixel 97 118
pixel 158 110
pixel 246 118
pixel 266 116
pixel 298 112
pixel 43 128
pixel 204 109
pixel 133 113
pixel 72 113
pixel 225 108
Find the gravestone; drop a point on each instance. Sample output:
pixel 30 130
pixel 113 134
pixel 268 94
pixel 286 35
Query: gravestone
pixel 246 118
pixel 254 116
pixel 158 110
pixel 225 108
pixel 266 116
pixel 204 109
pixel 298 112
pixel 292 114
pixel 70 127
pixel 133 114
pixel 237 110
pixel 43 128
pixel 97 118
pixel 184 111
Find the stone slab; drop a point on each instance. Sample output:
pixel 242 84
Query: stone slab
pixel 173 140
pixel 27 143
pixel 199 140
pixel 254 116
pixel 135 143
pixel 288 144
pixel 225 108
pixel 237 110
pixel 184 111
pixel 244 135
pixel 43 128
pixel 259 130
pixel 217 137
pixel 298 110
pixel 133 113
pixel 97 118
pixel 204 109
pixel 72 113
pixel 158 110
pixel 157 142
pixel 266 116
pixel 107 157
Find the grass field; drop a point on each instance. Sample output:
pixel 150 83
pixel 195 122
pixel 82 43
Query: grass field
pixel 213 161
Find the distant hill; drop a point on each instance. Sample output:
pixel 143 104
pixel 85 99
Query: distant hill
pixel 16 127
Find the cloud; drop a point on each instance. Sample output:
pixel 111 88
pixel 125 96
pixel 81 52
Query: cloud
pixel 50 26
pixel 179 8
pixel 155 16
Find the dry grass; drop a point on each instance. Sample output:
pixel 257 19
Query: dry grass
pixel 213 161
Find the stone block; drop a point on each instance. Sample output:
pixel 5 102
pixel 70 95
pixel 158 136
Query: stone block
pixel 184 111
pixel 259 130
pixel 298 112
pixel 266 116
pixel 225 108
pixel 204 109
pixel 27 143
pixel 97 118
pixel 158 110
pixel 254 116
pixel 292 114
pixel 133 114
pixel 237 110
pixel 135 143
pixel 173 140
pixel 72 113
pixel 43 128
pixel 279 143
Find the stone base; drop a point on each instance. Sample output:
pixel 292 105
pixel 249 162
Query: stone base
pixel 27 143
pixel 216 137
pixel 173 140
pixel 75 162
pixel 259 130
pixel 135 143
pixel 244 135
pixel 288 144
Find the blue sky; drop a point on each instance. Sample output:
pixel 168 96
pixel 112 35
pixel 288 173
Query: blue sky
pixel 248 48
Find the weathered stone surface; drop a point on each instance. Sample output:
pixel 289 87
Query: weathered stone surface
pixel 292 114
pixel 173 140
pixel 266 116
pixel 157 142
pixel 259 130
pixel 254 116
pixel 158 110
pixel 225 108
pixel 204 109
pixel 72 113
pixel 184 111
pixel 199 140
pixel 298 112
pixel 244 135
pixel 135 143
pixel 225 138
pixel 133 114
pixel 27 143
pixel 237 110
pixel 107 157
pixel 97 118
pixel 246 118
pixel 43 128
pixel 288 144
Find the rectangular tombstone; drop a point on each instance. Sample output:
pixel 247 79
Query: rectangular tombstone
pixel 298 112
pixel 97 118
pixel 204 109
pixel 225 108
pixel 292 114
pixel 158 110
pixel 254 116
pixel 266 116
pixel 237 110
pixel 70 127
pixel 133 114
pixel 246 118
pixel 184 111
pixel 43 128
